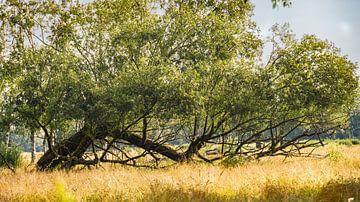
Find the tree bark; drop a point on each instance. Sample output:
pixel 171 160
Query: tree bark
pixel 150 145
pixel 33 146
pixel 194 148
pixel 44 145
pixel 8 140
pixel 73 147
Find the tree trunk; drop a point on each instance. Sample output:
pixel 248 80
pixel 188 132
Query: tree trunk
pixel 194 147
pixel 73 147
pixel 44 145
pixel 8 140
pixel 258 144
pixel 222 144
pixel 150 145
pixel 33 146
pixel 52 138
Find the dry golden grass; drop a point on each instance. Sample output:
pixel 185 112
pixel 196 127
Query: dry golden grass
pixel 336 178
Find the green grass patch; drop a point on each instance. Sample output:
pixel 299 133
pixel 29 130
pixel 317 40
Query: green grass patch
pixel 347 142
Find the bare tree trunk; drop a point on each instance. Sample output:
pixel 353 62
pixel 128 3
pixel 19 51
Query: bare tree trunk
pixel 222 144
pixel 7 140
pixel 52 138
pixel 194 148
pixel 44 145
pixel 258 144
pixel 33 146
pixel 150 145
pixel 73 147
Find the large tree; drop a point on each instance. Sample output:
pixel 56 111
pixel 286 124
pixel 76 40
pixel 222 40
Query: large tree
pixel 160 74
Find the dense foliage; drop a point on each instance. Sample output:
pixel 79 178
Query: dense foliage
pixel 152 73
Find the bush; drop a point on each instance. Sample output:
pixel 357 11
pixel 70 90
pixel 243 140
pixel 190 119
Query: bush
pixel 355 141
pixel 10 155
pixel 233 161
pixel 347 142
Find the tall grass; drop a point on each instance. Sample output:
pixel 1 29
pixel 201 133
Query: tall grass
pixel 296 179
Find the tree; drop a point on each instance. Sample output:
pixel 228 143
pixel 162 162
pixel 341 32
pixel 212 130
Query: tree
pixel 119 74
pixel 283 2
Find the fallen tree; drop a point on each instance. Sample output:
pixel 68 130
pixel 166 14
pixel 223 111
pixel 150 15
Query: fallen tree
pixel 72 151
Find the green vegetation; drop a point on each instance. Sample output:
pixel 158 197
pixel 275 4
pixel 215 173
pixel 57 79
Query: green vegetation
pixel 168 77
pixel 173 84
pixel 10 156
pixel 62 194
pixel 347 142
pixel 233 161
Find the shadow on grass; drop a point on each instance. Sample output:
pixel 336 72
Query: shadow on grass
pixel 177 195
pixel 340 190
pixel 335 190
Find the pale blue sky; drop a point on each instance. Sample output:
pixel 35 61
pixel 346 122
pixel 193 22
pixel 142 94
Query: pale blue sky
pixel 335 20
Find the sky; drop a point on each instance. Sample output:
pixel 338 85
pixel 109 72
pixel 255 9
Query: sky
pixel 335 20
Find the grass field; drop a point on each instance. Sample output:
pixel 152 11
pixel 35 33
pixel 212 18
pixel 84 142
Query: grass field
pixel 335 178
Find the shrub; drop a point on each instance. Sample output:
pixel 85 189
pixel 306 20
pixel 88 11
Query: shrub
pixel 233 161
pixel 347 142
pixel 10 155
pixel 355 141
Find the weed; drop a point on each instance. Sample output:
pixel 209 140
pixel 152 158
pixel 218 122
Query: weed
pixel 62 194
pixel 335 155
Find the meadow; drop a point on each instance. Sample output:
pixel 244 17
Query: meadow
pixel 335 177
